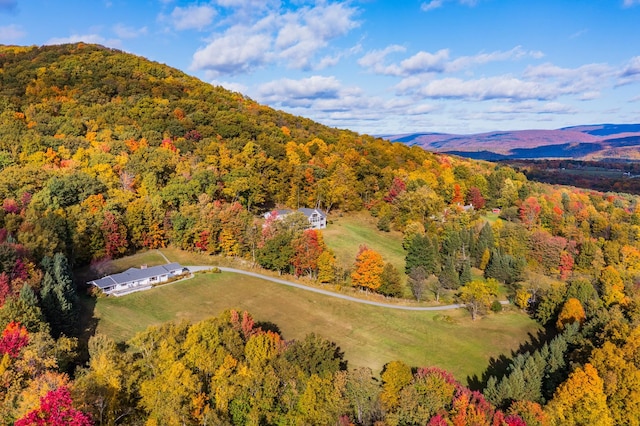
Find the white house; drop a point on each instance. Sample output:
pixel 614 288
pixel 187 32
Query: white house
pixel 316 217
pixel 134 279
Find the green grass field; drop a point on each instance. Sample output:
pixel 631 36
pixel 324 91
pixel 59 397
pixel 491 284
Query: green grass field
pixel 369 336
pixel 345 234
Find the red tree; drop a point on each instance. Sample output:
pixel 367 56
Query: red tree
pixel 55 410
pixel 14 337
pixel 530 212
pixel 115 235
pixel 307 249
pixel 397 186
pixel 474 197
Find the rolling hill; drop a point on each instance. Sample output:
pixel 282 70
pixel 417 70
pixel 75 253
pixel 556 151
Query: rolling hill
pixel 586 142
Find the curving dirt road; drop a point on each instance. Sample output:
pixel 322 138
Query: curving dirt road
pixel 330 293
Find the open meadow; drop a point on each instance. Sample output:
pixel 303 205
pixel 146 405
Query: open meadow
pixel 345 234
pixel 369 336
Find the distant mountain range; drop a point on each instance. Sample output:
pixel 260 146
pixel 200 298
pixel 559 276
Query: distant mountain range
pixel 587 142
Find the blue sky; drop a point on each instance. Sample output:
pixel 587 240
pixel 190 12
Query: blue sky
pixel 373 66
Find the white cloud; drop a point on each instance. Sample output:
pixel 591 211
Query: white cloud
pixel 630 3
pixel 630 72
pixel 425 62
pixel 11 33
pixel 578 34
pixel 294 37
pixel 438 62
pixel 499 87
pixel 516 53
pixel 433 4
pixel 585 80
pixel 192 17
pixel 374 60
pixel 85 38
pixel 126 32
pixel 306 89
pixel 532 107
pixel 436 4
pixel 234 53
pixel 234 87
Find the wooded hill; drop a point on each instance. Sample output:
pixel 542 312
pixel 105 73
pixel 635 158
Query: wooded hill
pixel 103 153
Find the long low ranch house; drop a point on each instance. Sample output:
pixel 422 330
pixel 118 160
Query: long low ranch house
pixel 134 279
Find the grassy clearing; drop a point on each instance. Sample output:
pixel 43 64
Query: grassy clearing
pixel 369 336
pixel 345 234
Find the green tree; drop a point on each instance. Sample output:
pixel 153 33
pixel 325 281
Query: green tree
pixel 422 251
pixel 59 298
pixel 391 285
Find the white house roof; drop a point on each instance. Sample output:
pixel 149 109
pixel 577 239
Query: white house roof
pixel 135 274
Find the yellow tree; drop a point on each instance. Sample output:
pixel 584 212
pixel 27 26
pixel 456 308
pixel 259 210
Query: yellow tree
pixel 580 400
pixel 477 295
pixel 572 311
pixel 395 376
pixel 326 267
pixel 611 286
pixel 367 270
pixel 619 366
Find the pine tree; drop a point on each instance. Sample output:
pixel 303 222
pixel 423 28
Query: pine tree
pixel 28 295
pixel 59 299
pixel 465 272
pixel 449 277
pixel 484 242
pixel 422 251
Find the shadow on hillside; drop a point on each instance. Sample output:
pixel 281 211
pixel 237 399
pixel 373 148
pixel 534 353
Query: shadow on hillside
pixel 498 367
pixel 87 324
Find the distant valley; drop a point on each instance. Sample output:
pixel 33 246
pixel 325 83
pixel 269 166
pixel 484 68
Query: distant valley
pixel 610 142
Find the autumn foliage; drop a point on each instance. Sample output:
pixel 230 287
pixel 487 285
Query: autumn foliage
pixel 367 269
pixel 55 410
pixel 14 337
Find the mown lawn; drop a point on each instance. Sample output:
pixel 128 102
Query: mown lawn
pixel 370 336
pixel 345 234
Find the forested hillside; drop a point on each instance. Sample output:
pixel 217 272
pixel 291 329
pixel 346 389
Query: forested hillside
pixel 103 153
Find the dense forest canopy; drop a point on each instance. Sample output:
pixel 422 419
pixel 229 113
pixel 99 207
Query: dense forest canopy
pixel 104 153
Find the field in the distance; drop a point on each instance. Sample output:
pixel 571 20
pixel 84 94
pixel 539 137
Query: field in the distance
pixel 369 336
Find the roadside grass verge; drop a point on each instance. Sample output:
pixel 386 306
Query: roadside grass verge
pixel 369 336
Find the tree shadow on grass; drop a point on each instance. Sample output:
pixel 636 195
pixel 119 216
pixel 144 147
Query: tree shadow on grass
pixel 499 367
pixel 87 324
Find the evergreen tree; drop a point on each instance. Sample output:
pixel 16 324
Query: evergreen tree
pixel 59 299
pixel 505 267
pixel 465 272
pixel 449 277
pixel 422 251
pixel 28 296
pixel 485 241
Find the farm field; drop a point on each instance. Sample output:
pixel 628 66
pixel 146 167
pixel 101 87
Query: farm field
pixel 369 336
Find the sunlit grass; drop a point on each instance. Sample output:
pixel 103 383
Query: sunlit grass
pixel 370 336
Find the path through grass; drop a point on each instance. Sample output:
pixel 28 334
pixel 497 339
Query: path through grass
pixel 369 336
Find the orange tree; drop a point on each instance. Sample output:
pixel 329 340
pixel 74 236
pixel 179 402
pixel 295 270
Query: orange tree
pixel 367 270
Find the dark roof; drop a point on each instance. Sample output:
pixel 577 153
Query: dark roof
pixel 135 274
pixel 309 212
